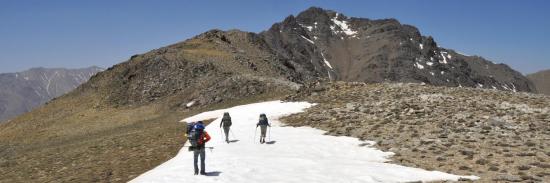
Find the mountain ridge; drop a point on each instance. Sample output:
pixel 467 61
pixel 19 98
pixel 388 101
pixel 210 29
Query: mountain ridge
pixel 122 121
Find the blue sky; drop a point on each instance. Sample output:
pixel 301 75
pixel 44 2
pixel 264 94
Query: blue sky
pixel 74 34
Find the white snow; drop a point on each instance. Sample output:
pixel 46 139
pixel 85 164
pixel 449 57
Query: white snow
pixel 326 62
pixel 421 46
pixel 432 73
pixel 513 87
pixel 294 154
pixel 315 37
pixel 308 40
pixel 190 104
pixel 505 86
pixel 429 63
pixel 343 26
pixel 442 72
pixel 418 65
pixel 480 85
pixel 444 58
pixel 310 28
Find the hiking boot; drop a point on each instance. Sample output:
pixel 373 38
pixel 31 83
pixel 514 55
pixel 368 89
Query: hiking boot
pixel 203 173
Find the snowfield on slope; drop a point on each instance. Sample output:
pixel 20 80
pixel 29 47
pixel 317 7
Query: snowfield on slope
pixel 292 154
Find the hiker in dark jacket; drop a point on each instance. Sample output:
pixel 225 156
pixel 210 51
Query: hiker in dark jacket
pixel 226 123
pixel 198 138
pixel 263 124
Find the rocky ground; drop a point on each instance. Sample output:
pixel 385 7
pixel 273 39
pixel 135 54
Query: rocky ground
pixel 498 136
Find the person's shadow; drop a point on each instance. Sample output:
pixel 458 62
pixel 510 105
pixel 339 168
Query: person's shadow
pixel 233 141
pixel 213 174
pixel 271 142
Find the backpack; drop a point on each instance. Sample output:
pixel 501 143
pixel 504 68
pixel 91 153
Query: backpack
pixel 194 137
pixel 190 127
pixel 226 121
pixel 263 120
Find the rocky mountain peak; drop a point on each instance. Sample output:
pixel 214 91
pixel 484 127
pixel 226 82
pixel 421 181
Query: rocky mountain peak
pixel 332 45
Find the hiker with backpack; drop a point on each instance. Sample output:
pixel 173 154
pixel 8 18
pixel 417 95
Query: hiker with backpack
pixel 263 124
pixel 198 137
pixel 226 123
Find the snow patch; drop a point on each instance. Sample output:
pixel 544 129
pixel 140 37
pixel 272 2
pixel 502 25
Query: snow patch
pixel 444 57
pixel 421 46
pixel 308 40
pixel 432 73
pixel 296 154
pixel 429 63
pixel 343 26
pixel 326 62
pixel 418 65
pixel 190 104
pixel 514 87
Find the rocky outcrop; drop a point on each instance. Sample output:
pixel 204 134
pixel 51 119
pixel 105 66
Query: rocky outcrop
pixel 23 91
pixel 541 80
pixel 496 135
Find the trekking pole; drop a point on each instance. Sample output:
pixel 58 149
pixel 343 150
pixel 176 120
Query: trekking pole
pixel 255 135
pixel 269 137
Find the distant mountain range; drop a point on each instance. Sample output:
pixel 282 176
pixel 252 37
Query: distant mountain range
pixel 23 91
pixel 541 80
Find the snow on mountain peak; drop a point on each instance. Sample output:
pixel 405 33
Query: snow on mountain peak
pixel 343 26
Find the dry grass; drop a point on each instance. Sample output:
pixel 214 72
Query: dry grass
pixel 73 140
